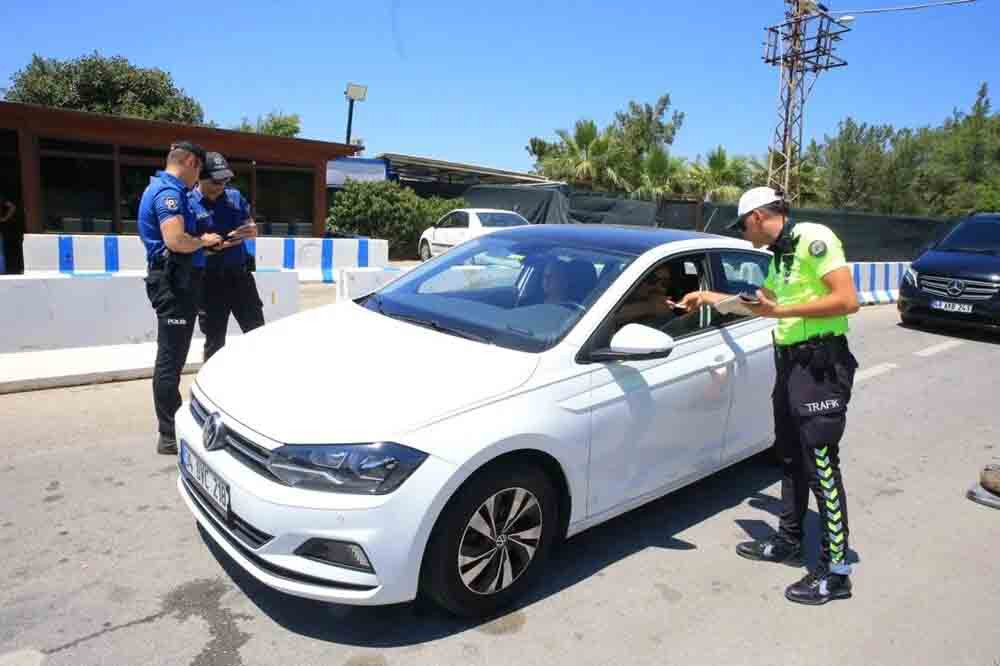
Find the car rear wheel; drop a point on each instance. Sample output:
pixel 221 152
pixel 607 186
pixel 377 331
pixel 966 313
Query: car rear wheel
pixel 491 541
pixel 425 250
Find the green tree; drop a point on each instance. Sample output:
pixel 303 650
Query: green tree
pixel 662 175
pixel 385 209
pixel 587 158
pixel 274 123
pixel 103 85
pixel 720 179
pixel 641 129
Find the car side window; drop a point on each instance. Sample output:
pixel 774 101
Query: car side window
pixel 646 302
pixel 447 222
pixel 460 220
pixel 739 272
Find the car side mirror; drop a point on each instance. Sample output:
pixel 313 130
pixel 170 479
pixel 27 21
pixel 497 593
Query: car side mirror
pixel 635 342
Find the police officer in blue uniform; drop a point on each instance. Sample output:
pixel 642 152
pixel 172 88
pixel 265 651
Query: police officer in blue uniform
pixel 229 286
pixel 176 259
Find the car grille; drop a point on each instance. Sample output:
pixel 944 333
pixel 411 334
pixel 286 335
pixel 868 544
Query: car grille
pixel 973 290
pixel 240 528
pixel 253 456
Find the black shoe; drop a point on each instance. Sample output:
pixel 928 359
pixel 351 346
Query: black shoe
pixel 818 588
pixel 775 549
pixel 167 446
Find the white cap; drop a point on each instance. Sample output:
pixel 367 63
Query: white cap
pixel 753 199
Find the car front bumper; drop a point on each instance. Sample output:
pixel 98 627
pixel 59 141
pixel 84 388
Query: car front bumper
pixel 915 304
pixel 267 521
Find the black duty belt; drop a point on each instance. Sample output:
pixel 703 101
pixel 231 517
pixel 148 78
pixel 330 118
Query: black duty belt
pixel 805 351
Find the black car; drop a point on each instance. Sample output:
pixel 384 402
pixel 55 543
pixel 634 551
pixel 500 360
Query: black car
pixel 956 280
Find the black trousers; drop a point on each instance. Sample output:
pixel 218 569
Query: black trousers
pixel 228 291
pixel 811 394
pixel 174 296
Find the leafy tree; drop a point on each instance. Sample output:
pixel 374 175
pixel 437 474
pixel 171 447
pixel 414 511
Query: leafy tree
pixel 720 178
pixel 588 158
pixel 662 175
pixel 275 123
pixel 385 209
pixel 103 85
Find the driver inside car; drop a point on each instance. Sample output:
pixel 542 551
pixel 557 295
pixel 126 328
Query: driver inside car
pixel 555 282
pixel 650 303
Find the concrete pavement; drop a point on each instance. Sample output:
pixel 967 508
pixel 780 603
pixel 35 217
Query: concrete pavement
pixel 104 565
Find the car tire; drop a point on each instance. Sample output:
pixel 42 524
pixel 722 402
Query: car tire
pixel 486 583
pixel 425 250
pixel 909 321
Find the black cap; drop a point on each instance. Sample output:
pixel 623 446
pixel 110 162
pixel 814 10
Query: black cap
pixel 215 167
pixel 192 148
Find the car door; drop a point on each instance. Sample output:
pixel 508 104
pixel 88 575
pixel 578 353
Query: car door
pixel 657 424
pixel 440 240
pixel 458 232
pixel 751 420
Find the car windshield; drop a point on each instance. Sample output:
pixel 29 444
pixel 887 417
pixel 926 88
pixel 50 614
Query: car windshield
pixel 494 219
pixel 973 236
pixel 519 294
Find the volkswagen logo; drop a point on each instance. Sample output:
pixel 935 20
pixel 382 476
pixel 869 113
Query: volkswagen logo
pixel 213 432
pixel 956 288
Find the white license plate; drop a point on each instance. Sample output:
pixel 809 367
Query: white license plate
pixel 216 489
pixel 952 307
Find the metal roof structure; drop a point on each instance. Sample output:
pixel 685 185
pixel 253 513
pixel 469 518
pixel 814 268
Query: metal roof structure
pixel 415 168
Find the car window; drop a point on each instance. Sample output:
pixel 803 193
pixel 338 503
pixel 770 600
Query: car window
pixel 519 294
pixel 739 272
pixel 461 220
pixel 973 236
pixel 500 219
pixel 646 302
pixel 448 222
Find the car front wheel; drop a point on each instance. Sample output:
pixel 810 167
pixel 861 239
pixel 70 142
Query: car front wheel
pixel 491 541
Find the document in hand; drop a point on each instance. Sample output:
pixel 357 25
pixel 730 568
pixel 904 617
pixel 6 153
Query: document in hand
pixel 733 305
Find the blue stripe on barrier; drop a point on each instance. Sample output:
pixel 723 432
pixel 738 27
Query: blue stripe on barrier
pixel 111 254
pixel 289 258
pixel 326 260
pixel 857 277
pixel 871 278
pixel 888 278
pixel 251 247
pixel 362 253
pixel 3 259
pixel 65 254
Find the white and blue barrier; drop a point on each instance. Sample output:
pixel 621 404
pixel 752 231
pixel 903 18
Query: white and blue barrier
pixel 313 259
pixel 59 310
pixel 878 282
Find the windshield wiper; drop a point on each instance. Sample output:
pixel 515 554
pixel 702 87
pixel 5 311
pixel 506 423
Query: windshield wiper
pixel 439 327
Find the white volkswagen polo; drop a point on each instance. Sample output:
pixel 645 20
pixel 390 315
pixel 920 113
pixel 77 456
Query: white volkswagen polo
pixel 441 434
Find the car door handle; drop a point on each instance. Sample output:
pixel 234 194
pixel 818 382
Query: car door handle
pixel 720 362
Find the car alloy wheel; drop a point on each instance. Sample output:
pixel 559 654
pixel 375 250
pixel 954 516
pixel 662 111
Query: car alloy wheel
pixel 500 541
pixel 425 251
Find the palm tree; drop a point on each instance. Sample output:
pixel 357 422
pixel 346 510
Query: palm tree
pixel 588 158
pixel 661 175
pixel 721 178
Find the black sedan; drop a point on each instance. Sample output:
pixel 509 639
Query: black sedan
pixel 956 281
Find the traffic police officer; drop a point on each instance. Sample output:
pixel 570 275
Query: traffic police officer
pixel 810 291
pixel 176 259
pixel 229 286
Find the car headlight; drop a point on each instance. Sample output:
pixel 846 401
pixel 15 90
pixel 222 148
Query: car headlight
pixel 362 469
pixel 911 276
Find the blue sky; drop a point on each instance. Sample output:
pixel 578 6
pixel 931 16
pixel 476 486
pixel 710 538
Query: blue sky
pixel 472 81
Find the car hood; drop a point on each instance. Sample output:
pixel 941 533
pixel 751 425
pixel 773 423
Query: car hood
pixel 966 265
pixel 344 374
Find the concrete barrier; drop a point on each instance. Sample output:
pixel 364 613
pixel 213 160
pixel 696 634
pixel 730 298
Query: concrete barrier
pixel 878 282
pixel 313 259
pixel 57 311
pixel 357 282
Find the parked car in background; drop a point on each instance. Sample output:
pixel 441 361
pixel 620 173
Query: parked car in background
pixel 465 224
pixel 956 281
pixel 444 432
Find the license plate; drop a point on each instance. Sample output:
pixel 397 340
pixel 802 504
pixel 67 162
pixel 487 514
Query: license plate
pixel 216 489
pixel 952 307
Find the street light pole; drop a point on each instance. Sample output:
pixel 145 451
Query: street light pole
pixel 350 119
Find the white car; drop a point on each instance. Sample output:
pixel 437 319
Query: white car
pixel 444 432
pixel 464 224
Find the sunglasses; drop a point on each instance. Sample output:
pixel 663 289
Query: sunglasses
pixel 221 183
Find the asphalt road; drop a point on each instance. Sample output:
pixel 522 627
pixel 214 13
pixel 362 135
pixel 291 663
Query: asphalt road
pixel 102 563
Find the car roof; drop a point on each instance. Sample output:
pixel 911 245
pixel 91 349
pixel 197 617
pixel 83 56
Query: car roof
pixel 632 240
pixel 486 210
